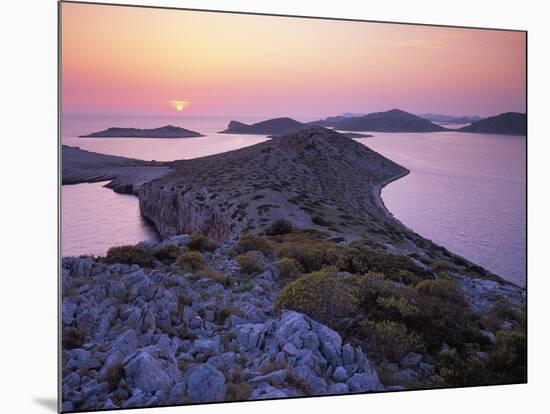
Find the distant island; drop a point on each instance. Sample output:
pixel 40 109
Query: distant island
pixel 276 127
pixel 394 120
pixel 509 123
pixel 270 126
pixel 450 119
pixel 168 131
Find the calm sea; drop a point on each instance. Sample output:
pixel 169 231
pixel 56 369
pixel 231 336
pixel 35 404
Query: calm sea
pixel 465 191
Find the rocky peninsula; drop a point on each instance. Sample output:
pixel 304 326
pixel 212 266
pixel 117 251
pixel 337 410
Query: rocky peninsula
pixel 280 274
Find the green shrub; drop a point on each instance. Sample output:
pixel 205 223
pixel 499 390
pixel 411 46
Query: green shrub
pixel 129 255
pixel 72 337
pixel 250 262
pixel 445 289
pixel 390 339
pixel 215 275
pixel 199 242
pixel 191 261
pixel 113 375
pixel 170 252
pixel 503 310
pixel 279 227
pixel 309 256
pixel 322 296
pixel 459 369
pixel 289 268
pixel 509 358
pixel 341 257
pixel 406 277
pixel 439 266
pixel 250 241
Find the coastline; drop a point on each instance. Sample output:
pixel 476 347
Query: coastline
pixel 126 175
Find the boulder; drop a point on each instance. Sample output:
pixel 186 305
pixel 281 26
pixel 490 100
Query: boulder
pixel 80 358
pixel 126 342
pixel 144 371
pixel 204 383
pixel 364 382
pixel 340 374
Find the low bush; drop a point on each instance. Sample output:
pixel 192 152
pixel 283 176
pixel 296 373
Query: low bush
pixel 289 268
pixel 390 339
pixel 129 255
pixel 72 337
pixel 191 261
pixel 509 358
pixel 459 369
pixel 199 242
pixel 215 276
pixel 439 266
pixel 250 241
pixel 279 227
pixel 170 252
pixel 251 262
pixel 309 256
pixel 113 375
pixel 322 296
pixel 445 289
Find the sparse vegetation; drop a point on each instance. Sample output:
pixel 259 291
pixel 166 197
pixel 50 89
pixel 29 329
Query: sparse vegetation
pixel 73 338
pixel 199 242
pixel 170 252
pixel 289 268
pixel 322 295
pixel 191 261
pixel 129 255
pixel 250 241
pixel 250 262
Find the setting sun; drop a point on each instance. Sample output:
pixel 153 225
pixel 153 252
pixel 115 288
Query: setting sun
pixel 179 105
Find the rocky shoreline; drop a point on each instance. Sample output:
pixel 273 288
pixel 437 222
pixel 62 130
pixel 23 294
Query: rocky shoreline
pixel 138 336
pixel 163 337
pixel 190 320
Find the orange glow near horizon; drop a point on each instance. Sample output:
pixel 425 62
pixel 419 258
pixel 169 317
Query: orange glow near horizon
pixel 131 60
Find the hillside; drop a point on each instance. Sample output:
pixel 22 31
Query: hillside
pixel 394 120
pixel 315 178
pixel 509 123
pixel 168 131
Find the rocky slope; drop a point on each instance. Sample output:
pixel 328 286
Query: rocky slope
pixel 168 131
pixel 394 120
pixel 509 123
pixel 315 178
pixel 137 337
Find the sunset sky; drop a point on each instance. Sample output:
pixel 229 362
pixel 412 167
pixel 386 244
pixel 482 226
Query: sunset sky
pixel 143 61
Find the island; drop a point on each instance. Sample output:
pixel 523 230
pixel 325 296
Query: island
pixel 509 123
pixel 394 120
pixel 168 131
pixel 268 127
